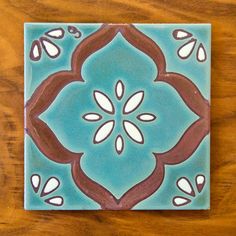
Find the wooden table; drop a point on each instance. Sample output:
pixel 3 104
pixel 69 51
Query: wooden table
pixel 220 220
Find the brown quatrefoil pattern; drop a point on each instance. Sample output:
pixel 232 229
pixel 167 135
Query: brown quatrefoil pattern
pixel 48 143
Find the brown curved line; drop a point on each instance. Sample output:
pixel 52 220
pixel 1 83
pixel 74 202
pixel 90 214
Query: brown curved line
pixel 50 146
pixel 146 45
pixel 134 195
pixel 188 91
pixel 105 34
pixel 145 188
pixel 106 199
pixel 187 144
pixel 46 93
pixel 90 45
pixel 91 188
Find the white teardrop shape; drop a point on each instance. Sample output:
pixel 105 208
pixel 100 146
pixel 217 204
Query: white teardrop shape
pixel 184 185
pixel 133 132
pixel 181 201
pixel 35 181
pixel 200 179
pixel 181 34
pixel 119 89
pixel 56 201
pixel 133 102
pixel 119 144
pixel 56 33
pixel 104 131
pixel 51 49
pixel 201 53
pixel 92 117
pixel 146 117
pixel 186 50
pixel 200 182
pixel 50 186
pixel 36 51
pixel 104 102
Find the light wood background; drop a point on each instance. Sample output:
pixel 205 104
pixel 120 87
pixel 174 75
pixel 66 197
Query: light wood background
pixel 220 220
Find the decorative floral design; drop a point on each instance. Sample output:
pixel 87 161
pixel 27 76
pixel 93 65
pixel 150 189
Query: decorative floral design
pixel 48 143
pixel 186 187
pixel 50 186
pixel 132 104
pixel 51 49
pixel 187 48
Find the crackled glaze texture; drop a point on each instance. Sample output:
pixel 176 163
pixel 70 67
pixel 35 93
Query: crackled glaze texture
pixel 117 116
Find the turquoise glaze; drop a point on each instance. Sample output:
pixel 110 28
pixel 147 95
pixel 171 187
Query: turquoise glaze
pixel 118 60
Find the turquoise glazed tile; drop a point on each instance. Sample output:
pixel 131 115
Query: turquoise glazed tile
pixel 117 116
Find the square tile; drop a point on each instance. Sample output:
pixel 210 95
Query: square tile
pixel 117 116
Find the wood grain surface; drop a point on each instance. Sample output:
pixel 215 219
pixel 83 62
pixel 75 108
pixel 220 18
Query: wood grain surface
pixel 220 220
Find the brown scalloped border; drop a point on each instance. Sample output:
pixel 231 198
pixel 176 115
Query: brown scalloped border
pixel 50 146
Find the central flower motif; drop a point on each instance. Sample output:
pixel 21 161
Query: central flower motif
pixel 106 104
pixel 50 146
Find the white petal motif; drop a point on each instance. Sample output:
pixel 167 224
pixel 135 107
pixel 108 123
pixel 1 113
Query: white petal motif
pixel 104 102
pixel 56 33
pixel 185 186
pixel 50 186
pixel 181 34
pixel 119 89
pixel 200 182
pixel 181 201
pixel 35 51
pixel 50 48
pixel 185 51
pixel 133 132
pixel 35 181
pixel 133 102
pixel 56 201
pixel 201 53
pixel 104 131
pixel 146 117
pixel 119 144
pixel 92 117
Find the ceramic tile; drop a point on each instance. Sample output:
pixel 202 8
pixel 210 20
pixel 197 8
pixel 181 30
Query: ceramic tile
pixel 117 116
